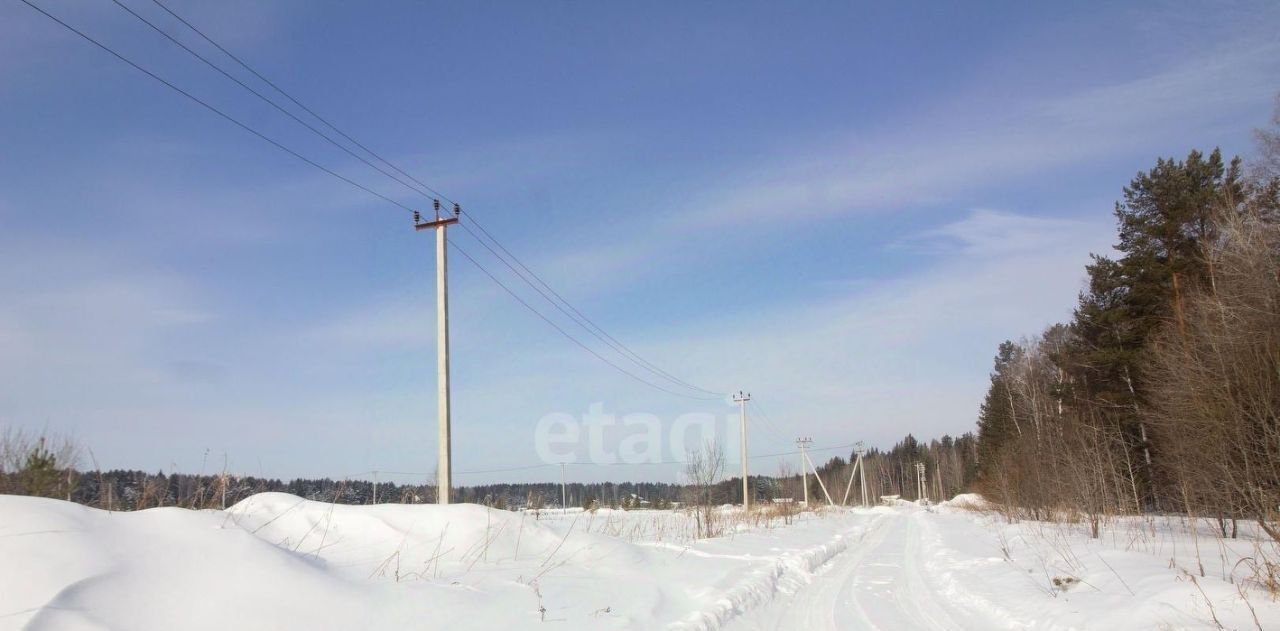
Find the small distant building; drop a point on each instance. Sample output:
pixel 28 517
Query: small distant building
pixel 633 501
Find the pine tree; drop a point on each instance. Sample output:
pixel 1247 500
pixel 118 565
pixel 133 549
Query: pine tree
pixel 997 419
pixel 39 474
pixel 1164 221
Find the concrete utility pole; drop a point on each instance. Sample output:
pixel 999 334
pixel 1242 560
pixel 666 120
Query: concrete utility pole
pixel 742 398
pixel 224 480
pixel 444 469
pixel 375 487
pixel 822 485
pixel 862 472
pixel 920 481
pixel 803 443
pixel 564 502
pixel 859 469
pixel 849 486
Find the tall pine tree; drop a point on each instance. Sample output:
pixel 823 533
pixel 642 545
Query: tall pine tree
pixel 1163 223
pixel 997 419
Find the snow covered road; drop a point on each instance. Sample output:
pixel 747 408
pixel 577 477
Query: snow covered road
pixel 946 568
pixel 880 582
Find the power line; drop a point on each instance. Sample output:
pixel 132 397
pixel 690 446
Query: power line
pixel 264 98
pixel 766 421
pixel 580 319
pixel 566 334
pixel 213 109
pixel 295 101
pixel 572 312
pixel 576 314
pixel 755 422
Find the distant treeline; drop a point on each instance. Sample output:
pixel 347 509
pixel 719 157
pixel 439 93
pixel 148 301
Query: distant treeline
pixel 46 467
pixel 951 466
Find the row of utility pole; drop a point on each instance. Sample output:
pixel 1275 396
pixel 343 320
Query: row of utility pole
pixel 444 471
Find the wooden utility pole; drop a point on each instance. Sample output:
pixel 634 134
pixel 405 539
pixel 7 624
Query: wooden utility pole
pixel 444 468
pixel 741 398
pixel 803 443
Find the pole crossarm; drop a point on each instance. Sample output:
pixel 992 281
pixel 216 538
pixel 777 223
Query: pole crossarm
pixel 435 223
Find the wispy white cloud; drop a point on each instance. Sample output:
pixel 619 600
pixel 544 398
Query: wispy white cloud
pixel 906 353
pixel 947 153
pixel 988 232
pixel 85 325
pixel 1214 83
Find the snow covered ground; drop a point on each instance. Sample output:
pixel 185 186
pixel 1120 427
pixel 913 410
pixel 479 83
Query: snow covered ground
pixel 950 568
pixel 275 561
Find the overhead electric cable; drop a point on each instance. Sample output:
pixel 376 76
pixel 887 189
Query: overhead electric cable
pixel 605 338
pixel 295 101
pixel 566 333
pixel 266 99
pixel 764 422
pixel 577 315
pixel 777 427
pixel 213 109
pixel 568 309
pixel 572 312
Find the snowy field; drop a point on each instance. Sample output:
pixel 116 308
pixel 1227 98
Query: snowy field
pixel 275 561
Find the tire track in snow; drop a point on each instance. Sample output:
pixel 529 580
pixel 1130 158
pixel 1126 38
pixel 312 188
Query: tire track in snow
pixel 787 575
pixel 818 605
pixel 879 582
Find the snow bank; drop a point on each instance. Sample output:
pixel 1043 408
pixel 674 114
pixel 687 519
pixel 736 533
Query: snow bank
pixel 69 567
pixel 967 501
pixel 277 561
pixel 393 541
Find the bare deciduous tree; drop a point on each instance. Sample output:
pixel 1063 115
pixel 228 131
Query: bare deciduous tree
pixel 1267 166
pixel 704 467
pixel 1217 387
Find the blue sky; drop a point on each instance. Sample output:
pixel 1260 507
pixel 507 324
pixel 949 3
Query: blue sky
pixel 840 208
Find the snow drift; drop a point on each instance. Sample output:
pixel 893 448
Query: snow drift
pixel 277 561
